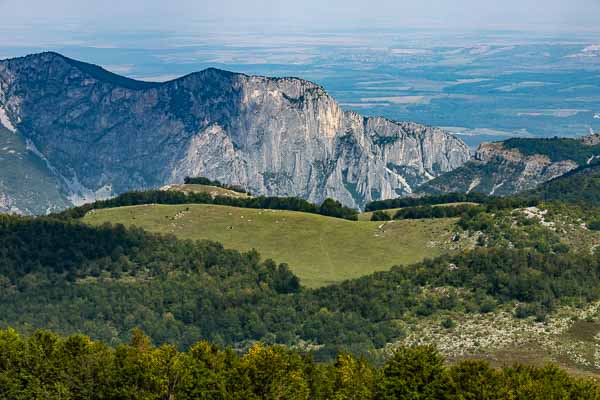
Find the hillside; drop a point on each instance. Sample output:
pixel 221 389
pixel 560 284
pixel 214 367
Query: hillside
pixel 521 286
pixel 26 183
pixel 516 165
pixel 580 186
pixel 102 135
pixel 320 250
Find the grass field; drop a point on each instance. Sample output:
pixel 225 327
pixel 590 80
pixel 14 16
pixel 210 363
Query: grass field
pixel 320 250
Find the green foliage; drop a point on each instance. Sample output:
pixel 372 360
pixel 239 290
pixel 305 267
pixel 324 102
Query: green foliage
pixel 446 198
pixel 424 212
pixel 381 216
pixel 333 208
pixel 424 203
pixel 329 207
pixel 105 281
pixel 448 323
pixel 594 225
pixel 506 228
pixel 580 186
pixel 47 366
pixel 556 149
pixel 414 373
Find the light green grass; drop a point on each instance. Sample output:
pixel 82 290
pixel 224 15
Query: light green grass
pixel 214 191
pixel 320 250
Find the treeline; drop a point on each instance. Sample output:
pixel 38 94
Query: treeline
pixel 49 366
pixel 329 207
pixel 491 202
pixel 426 201
pixel 69 277
pixel 425 212
pixel 207 182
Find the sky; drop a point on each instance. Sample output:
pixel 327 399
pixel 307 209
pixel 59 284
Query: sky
pixel 308 14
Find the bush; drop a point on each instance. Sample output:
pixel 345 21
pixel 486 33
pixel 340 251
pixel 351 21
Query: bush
pixel 448 323
pixel 381 216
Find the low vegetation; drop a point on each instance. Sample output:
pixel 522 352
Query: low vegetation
pixel 427 212
pixel 213 191
pixel 491 202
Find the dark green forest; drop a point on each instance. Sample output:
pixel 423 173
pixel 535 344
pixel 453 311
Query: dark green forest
pixel 47 366
pixel 447 198
pixel 491 202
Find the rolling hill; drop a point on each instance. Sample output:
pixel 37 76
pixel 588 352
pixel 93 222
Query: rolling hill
pixel 320 250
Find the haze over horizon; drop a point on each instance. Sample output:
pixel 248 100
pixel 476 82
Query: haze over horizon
pixel 310 14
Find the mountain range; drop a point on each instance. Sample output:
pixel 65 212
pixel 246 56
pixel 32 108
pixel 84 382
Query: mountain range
pixel 74 132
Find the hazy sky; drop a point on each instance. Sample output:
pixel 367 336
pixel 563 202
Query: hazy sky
pixel 173 14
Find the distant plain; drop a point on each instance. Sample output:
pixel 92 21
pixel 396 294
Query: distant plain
pixel 481 85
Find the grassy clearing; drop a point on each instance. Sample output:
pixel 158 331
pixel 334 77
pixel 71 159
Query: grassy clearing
pixel 214 191
pixel 320 250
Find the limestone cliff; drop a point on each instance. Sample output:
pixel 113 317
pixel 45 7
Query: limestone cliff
pixel 516 165
pixel 102 134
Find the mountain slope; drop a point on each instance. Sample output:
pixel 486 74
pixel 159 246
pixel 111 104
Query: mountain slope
pixel 580 186
pixel 104 134
pixel 516 165
pixel 27 185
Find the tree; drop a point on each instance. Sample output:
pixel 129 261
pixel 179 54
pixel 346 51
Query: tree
pixel 476 380
pixel 414 373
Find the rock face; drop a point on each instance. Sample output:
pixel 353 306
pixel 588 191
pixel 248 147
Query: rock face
pixel 102 134
pixel 498 170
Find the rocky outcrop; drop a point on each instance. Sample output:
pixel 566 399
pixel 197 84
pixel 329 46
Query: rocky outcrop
pixel 102 134
pixel 497 170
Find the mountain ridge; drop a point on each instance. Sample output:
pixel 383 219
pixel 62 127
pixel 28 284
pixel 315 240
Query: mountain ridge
pixel 105 134
pixel 516 165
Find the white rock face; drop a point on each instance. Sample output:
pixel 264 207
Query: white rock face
pixel 496 170
pixel 284 137
pixel 5 121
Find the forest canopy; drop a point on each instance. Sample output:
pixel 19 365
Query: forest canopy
pixel 45 365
